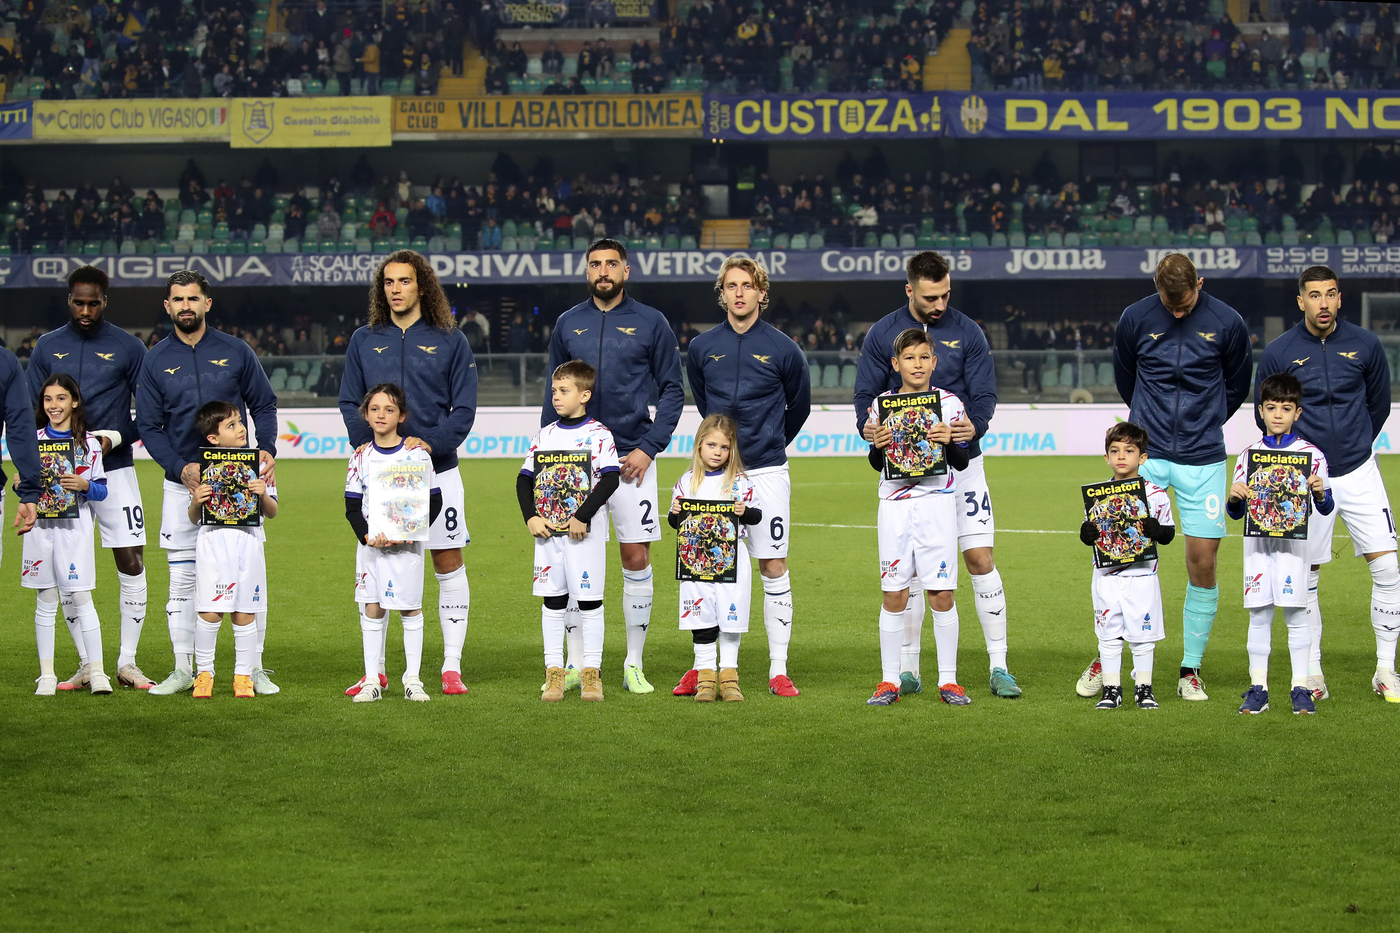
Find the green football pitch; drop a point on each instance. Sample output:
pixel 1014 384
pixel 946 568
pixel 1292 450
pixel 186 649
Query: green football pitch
pixel 305 812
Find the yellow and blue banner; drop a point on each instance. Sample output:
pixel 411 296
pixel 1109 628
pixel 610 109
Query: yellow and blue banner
pixel 17 121
pixel 310 122
pixel 823 116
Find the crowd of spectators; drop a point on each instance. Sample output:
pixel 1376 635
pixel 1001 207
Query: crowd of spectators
pixel 1180 45
pixel 167 48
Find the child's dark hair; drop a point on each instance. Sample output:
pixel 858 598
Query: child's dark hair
pixel 1281 387
pixel 912 337
pixel 78 422
pixel 210 416
pixel 583 375
pixel 395 395
pixel 1125 432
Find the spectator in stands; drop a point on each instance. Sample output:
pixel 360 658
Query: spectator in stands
pixel 419 220
pixel 328 223
pixel 294 225
pixel 552 61
pixel 587 62
pixel 21 238
pixel 383 221
pixel 302 345
pixel 490 235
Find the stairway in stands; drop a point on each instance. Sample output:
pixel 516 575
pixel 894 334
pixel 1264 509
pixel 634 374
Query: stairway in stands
pixel 472 83
pixel 951 68
pixel 725 234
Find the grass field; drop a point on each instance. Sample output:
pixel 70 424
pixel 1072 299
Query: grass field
pixel 305 812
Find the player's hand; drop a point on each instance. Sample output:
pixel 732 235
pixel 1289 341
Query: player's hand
pixel 634 466
pixel 106 443
pixel 1151 527
pixel 871 427
pixel 74 482
pixel 203 494
pixel 1319 490
pixel 539 528
pixel 1240 491
pixel 378 540
pixel 413 443
pixel 267 468
pixel 739 508
pixel 675 503
pixel 1089 533
pixel 881 436
pixel 577 530
pixel 963 431
pixel 24 516
pixel 190 476
pixel 257 487
pixel 941 433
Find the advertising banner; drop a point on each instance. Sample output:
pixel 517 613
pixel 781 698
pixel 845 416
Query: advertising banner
pixel 126 121
pixel 829 117
pixel 1175 115
pixel 311 122
pixel 824 265
pixel 551 116
pixel 17 121
pixel 533 14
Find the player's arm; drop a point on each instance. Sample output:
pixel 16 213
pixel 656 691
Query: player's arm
pixel 525 493
pixel 981 375
pixel 19 433
pixel 1162 532
pixel 1125 359
pixel 352 392
pixel 462 379
pixel 1236 359
pixel 128 431
pixel 1377 389
pixel 1320 487
pixel 558 356
pixel 202 494
pixel 608 480
pixel 872 373
pixel 1269 362
pixel 36 373
pixel 876 456
pixel 666 370
pixel 355 515
pixel 957 456
pixel 1237 503
pixel 261 402
pixel 750 516
pixel 797 390
pixel 696 372
pixel 150 402
pixel 267 500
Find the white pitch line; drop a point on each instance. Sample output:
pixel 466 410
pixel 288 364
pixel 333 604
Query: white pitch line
pixel 1002 531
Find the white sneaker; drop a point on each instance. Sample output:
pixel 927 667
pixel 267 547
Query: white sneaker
pixel 1189 688
pixel 100 682
pixel 48 685
pixel 1091 681
pixel 413 690
pixel 1387 684
pixel 77 681
pixel 177 681
pixel 368 694
pixel 1318 685
pixel 262 684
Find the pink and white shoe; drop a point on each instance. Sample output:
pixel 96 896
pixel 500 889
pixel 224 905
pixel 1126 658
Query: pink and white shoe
pixel 354 689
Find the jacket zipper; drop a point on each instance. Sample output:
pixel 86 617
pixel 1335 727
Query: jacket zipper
pixel 602 322
pixel 738 362
pixel 1327 384
pixel 1176 410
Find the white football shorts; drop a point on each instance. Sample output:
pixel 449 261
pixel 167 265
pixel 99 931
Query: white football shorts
pixel 773 489
pixel 565 567
pixel 633 508
pixel 390 576
pixel 120 515
pixel 918 539
pixel 1364 506
pixel 1128 607
pixel 450 529
pixel 230 574
pixel 59 554
pixel 722 605
pixel 976 526
pixel 1275 572
pixel 177 532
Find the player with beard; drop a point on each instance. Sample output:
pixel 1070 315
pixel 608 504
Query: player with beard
pixel 965 369
pixel 104 361
pixel 194 365
pixel 411 341
pixel 634 351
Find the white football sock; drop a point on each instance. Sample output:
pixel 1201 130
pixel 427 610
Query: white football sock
pixel 372 636
pixel 705 657
pixel 1142 662
pixel 384 644
pixel 552 628
pixel 945 640
pixel 777 622
pixel 180 614
pixel 91 629
pixel 891 635
pixel 591 622
pixel 1385 608
pixel 1260 643
pixel 133 610
pixel 911 645
pixel 45 612
pixel 75 629
pixel 260 625
pixel 412 644
pixel 1111 657
pixel 206 639
pixel 454 605
pixel 1299 641
pixel 1314 625
pixel 573 635
pixel 638 588
pixel 245 649
pixel 990 599
pixel 729 649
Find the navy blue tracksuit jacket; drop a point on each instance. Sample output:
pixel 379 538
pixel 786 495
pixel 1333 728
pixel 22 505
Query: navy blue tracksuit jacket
pixel 105 363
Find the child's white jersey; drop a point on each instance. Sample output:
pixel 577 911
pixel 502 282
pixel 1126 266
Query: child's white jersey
pixel 590 435
pixel 1293 444
pixel 712 486
pixel 367 460
pixel 87 463
pixel 1275 569
pixel 1159 506
pixel 255 530
pixel 952 410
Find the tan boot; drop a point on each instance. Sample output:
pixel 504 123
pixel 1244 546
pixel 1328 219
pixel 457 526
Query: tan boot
pixel 553 685
pixel 705 687
pixel 592 681
pixel 729 685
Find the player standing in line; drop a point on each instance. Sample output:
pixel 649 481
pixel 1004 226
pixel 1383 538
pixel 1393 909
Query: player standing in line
pixel 410 341
pixel 573 565
pixel 380 561
pixel 965 369
pixel 1274 568
pixel 749 370
pixel 1346 399
pixel 634 351
pixel 56 543
pixel 22 444
pixel 192 365
pixel 1128 599
pixel 1181 360
pixel 917 527
pixel 717 472
pixel 105 360
pixel 230 568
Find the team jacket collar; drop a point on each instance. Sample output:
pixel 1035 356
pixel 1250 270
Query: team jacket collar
pixel 87 335
pixel 624 305
pixel 390 327
pixel 1283 440
pixel 757 325
pixel 1310 337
